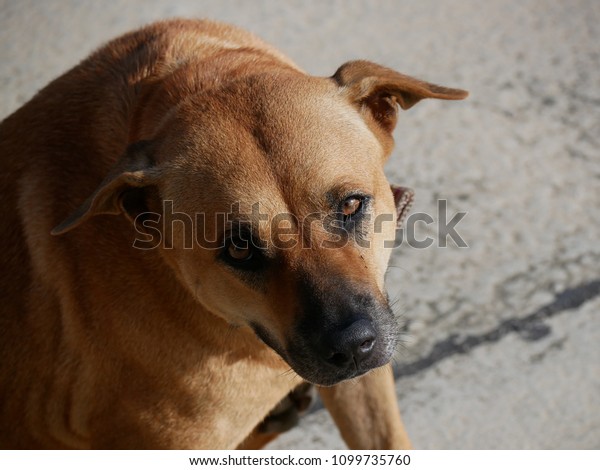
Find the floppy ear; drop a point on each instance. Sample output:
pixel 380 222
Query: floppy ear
pixel 379 89
pixel 403 199
pixel 117 193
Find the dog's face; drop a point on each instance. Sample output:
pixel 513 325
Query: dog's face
pixel 289 180
pixel 274 209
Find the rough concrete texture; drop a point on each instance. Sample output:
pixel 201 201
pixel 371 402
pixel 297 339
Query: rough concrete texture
pixel 503 340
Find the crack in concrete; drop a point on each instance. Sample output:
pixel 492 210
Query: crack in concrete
pixel 530 328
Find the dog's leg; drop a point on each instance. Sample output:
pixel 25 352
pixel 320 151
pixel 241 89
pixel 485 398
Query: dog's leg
pixel 282 418
pixel 257 440
pixel 366 411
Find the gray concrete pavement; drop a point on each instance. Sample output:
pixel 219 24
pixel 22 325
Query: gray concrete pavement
pixel 503 337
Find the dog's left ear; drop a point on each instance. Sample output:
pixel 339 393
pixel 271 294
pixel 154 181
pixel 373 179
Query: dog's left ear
pixel 378 89
pixel 120 190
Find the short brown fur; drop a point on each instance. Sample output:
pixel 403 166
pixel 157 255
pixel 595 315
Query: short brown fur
pixel 106 346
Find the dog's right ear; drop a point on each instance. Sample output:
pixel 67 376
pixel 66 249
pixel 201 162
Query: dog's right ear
pixel 118 192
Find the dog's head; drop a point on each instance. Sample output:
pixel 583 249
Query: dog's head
pixel 267 197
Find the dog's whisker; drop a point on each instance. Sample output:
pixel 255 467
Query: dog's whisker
pixel 401 268
pixel 401 348
pixel 289 373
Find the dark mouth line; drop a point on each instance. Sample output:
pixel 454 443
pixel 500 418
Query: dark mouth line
pixel 530 328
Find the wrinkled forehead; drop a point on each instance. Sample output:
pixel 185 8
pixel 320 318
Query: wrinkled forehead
pixel 273 142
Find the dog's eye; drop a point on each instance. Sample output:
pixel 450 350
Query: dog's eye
pixel 239 252
pixel 243 255
pixel 351 206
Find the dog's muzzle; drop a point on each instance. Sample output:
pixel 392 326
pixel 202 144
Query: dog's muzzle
pixel 339 339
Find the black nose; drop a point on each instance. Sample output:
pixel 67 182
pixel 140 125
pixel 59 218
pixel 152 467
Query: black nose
pixel 353 344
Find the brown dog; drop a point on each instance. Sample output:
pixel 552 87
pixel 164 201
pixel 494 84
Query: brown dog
pixel 168 309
